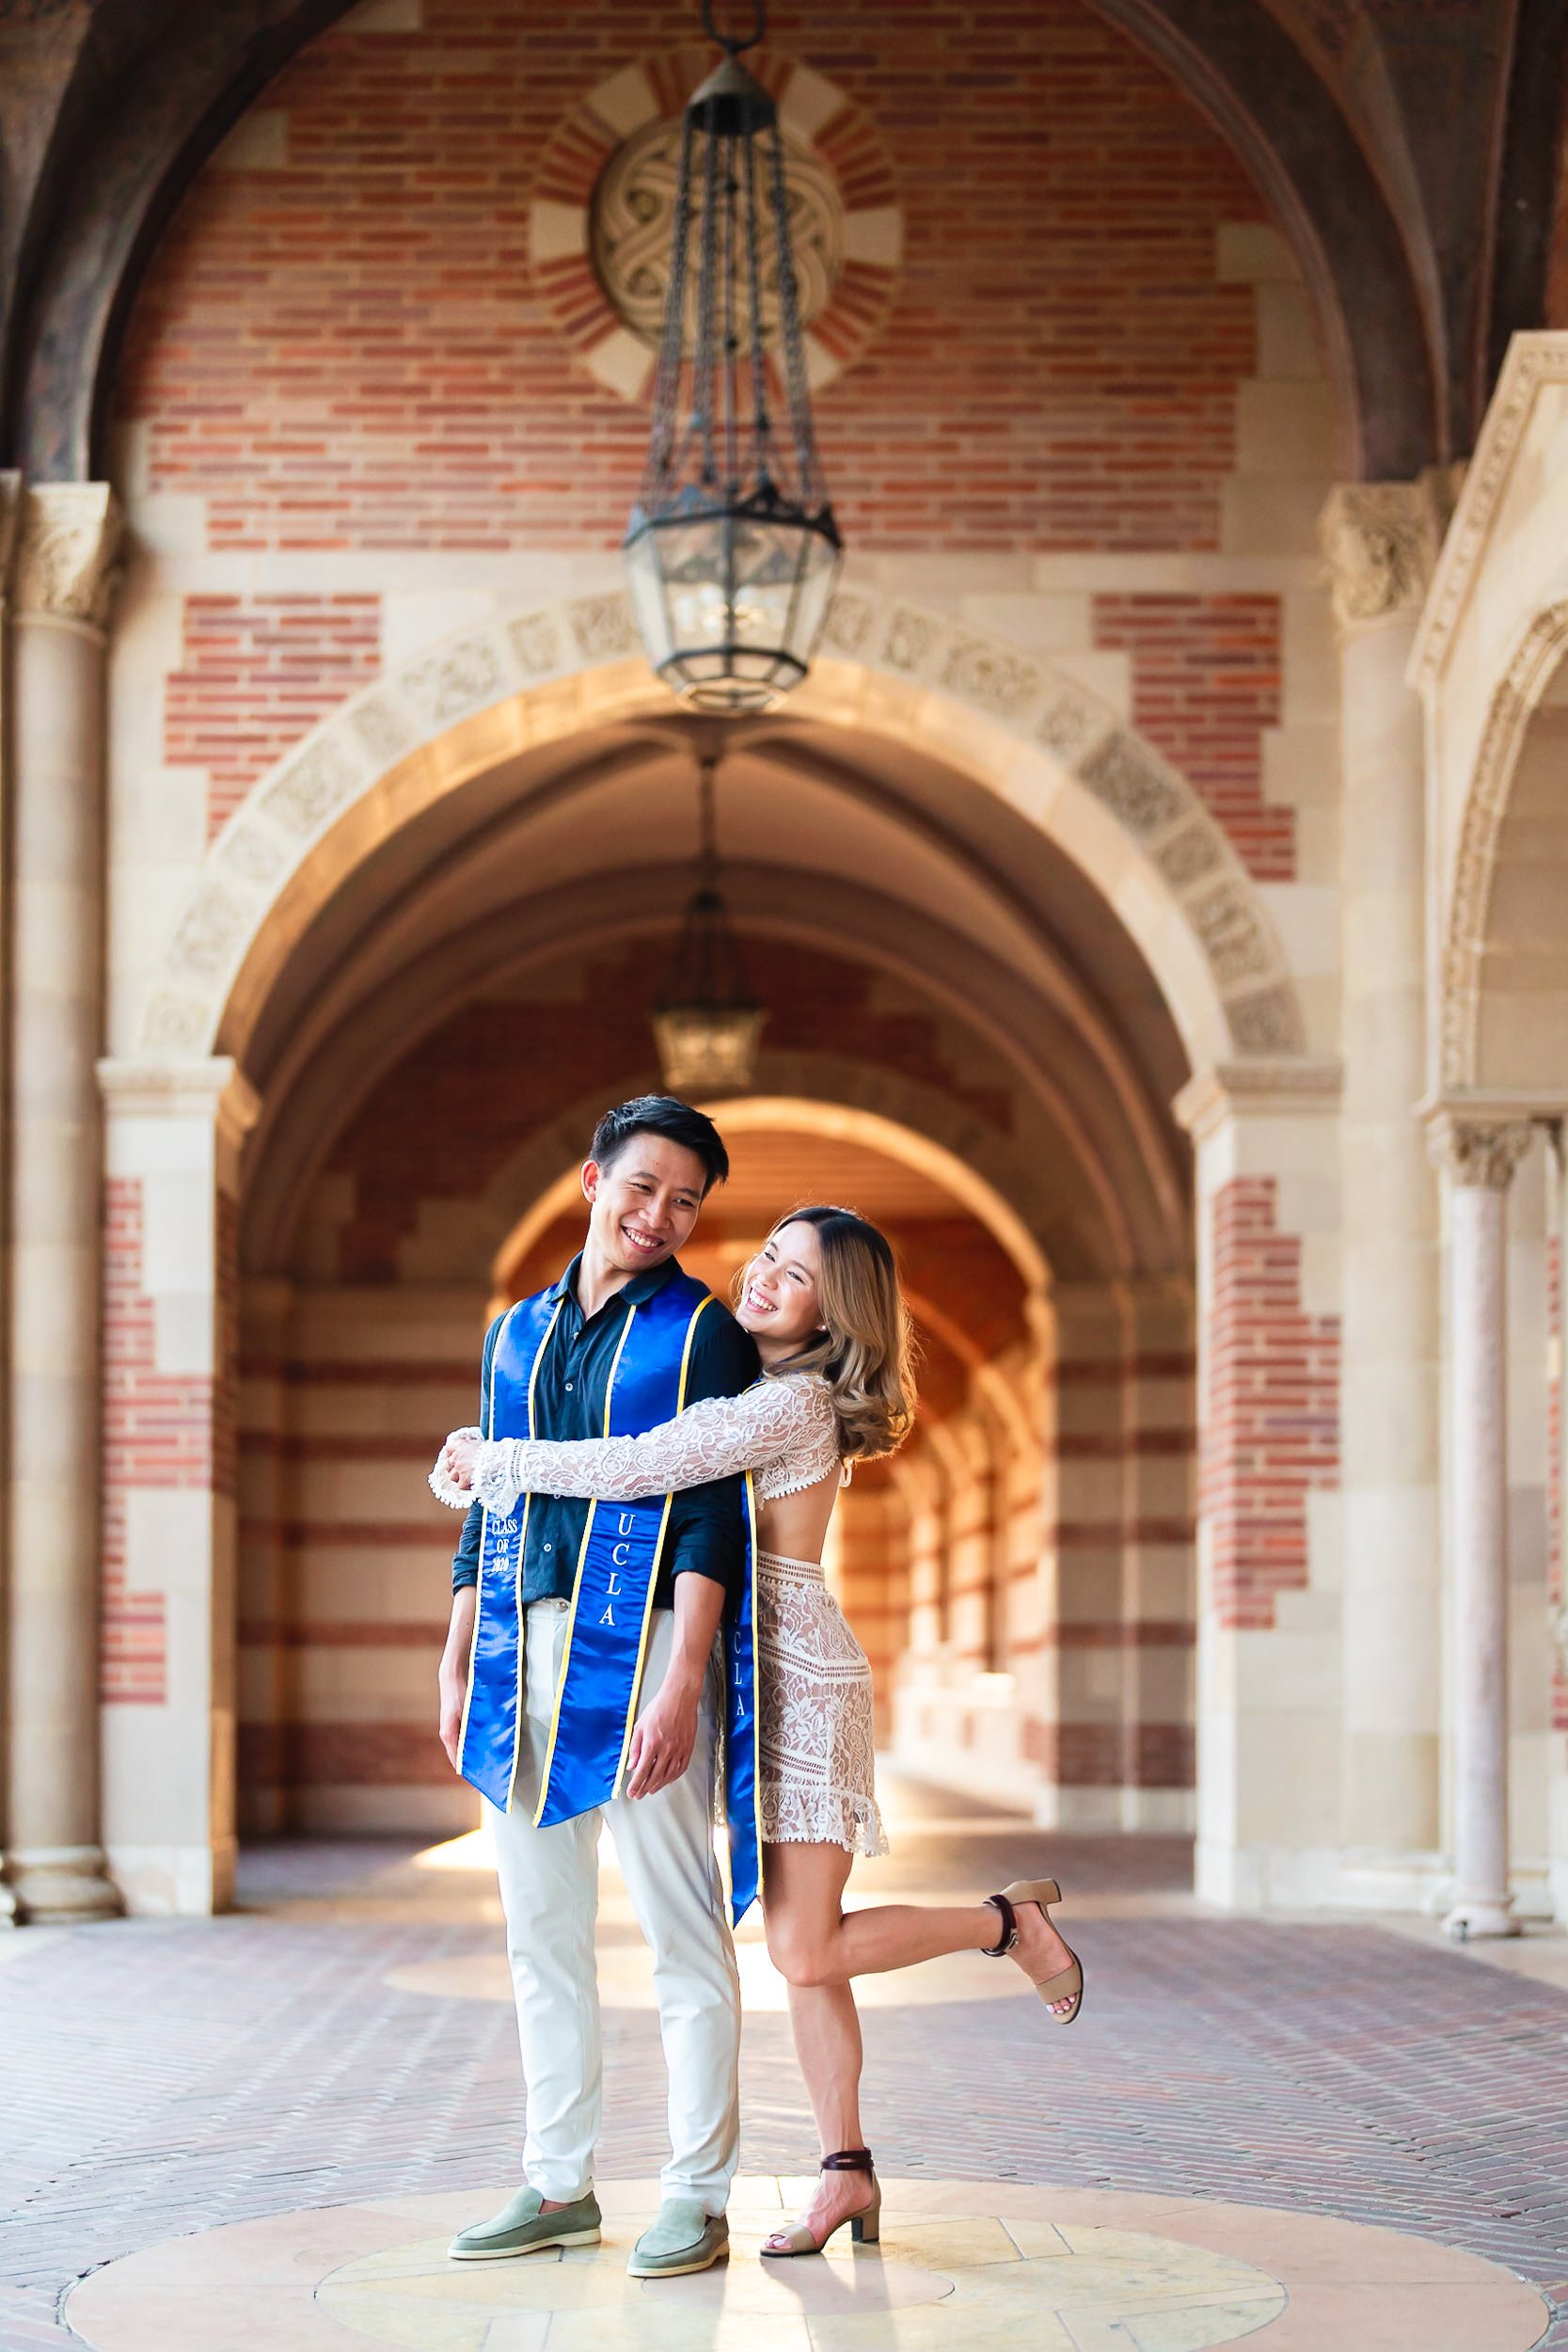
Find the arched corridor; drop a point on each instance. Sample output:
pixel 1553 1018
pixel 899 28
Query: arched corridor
pixel 984 1072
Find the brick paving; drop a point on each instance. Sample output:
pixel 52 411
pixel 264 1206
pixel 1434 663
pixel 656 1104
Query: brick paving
pixel 167 2077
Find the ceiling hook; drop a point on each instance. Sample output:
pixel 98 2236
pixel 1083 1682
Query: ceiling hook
pixel 727 41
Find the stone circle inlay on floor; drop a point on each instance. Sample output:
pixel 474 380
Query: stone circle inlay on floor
pixel 1005 2263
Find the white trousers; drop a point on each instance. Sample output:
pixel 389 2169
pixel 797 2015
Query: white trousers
pixel 549 1886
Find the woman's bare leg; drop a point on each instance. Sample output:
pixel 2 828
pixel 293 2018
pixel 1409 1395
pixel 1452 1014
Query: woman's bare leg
pixel 814 1942
pixel 827 2028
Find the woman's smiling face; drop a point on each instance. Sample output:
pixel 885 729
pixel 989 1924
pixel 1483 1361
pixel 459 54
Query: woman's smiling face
pixel 779 1298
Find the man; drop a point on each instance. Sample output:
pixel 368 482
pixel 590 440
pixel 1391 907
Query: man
pixel 615 1612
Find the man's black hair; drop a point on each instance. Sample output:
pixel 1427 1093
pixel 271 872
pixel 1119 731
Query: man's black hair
pixel 662 1115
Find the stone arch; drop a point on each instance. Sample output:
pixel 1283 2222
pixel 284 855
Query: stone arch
pixel 1517 699
pixel 1046 745
pixel 912 1124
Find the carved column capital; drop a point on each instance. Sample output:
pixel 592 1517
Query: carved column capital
pixel 1478 1152
pixel 1381 540
pixel 67 542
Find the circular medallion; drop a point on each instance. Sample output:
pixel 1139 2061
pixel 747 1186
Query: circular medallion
pixel 632 225
pixel 601 217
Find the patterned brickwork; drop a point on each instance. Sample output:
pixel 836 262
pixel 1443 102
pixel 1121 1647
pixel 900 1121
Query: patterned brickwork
pixel 1206 682
pixel 1112 1756
pixel 256 673
pixel 1271 1435
pixel 347 348
pixel 157 1433
pixel 344 1564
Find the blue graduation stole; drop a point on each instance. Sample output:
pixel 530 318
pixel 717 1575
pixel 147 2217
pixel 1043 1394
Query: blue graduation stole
pixel 612 1595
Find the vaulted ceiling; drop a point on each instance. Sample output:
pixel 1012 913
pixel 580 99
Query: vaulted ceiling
pixel 1409 149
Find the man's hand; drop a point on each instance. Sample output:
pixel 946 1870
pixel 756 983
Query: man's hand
pixel 666 1732
pixel 454 1689
pixel 453 1680
pixel 665 1735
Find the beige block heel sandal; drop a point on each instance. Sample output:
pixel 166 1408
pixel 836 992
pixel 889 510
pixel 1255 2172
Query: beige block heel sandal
pixel 1068 1984
pixel 866 2228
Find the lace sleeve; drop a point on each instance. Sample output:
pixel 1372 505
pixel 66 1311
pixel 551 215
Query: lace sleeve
pixel 711 1439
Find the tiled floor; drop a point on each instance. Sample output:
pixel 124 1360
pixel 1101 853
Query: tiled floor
pixel 340 2044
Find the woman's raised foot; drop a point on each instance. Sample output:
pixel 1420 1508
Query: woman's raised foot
pixel 1029 1938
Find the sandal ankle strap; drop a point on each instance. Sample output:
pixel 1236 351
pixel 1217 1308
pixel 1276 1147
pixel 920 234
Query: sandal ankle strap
pixel 1009 1936
pixel 849 2160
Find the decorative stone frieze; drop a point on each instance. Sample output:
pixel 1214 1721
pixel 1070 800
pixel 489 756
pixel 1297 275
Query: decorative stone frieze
pixel 848 618
pixel 1135 786
pixel 312 784
pixel 450 683
pixel 604 627
pixel 67 541
pixel 1535 662
pixel 536 642
pixel 1001 683
pixel 1477 1152
pixel 1110 779
pixel 1534 361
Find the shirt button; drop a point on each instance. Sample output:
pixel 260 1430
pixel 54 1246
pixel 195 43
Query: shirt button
pixel 569 1386
pixel 550 1547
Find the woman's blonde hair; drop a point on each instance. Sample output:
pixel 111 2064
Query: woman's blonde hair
pixel 865 1351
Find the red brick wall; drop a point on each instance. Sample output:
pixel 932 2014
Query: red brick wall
pixel 1113 1755
pixel 1206 682
pixel 1271 1435
pixel 158 1432
pixel 257 674
pixel 348 352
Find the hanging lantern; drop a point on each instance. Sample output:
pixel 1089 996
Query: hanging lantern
pixel 732 550
pixel 707 1022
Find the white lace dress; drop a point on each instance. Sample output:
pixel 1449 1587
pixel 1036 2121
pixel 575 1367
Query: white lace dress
pixel 818 1769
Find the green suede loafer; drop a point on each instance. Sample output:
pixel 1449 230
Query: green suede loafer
pixel 685 2238
pixel 521 2228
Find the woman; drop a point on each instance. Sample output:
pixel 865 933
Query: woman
pixel 821 1299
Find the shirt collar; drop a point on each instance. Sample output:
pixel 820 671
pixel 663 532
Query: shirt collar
pixel 636 1293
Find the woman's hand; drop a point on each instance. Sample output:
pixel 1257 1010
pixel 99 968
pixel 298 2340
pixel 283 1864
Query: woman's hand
pixel 457 1460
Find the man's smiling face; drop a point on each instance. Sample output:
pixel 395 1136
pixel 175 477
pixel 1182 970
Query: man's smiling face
pixel 644 1203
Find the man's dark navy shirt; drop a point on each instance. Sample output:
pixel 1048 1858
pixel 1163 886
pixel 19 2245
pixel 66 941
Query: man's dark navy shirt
pixel 705 1532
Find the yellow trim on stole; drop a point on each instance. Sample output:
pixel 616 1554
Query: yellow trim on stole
pixel 658 1551
pixel 577 1575
pixel 522 1547
pixel 756 1673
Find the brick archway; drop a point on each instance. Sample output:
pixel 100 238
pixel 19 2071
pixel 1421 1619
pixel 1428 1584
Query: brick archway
pixel 903 1125
pixel 1047 747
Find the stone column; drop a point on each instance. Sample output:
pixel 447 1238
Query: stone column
pixel 1381 539
pixel 10 508
pixel 175 1134
pixel 1268 1601
pixel 1479 1159
pixel 69 533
